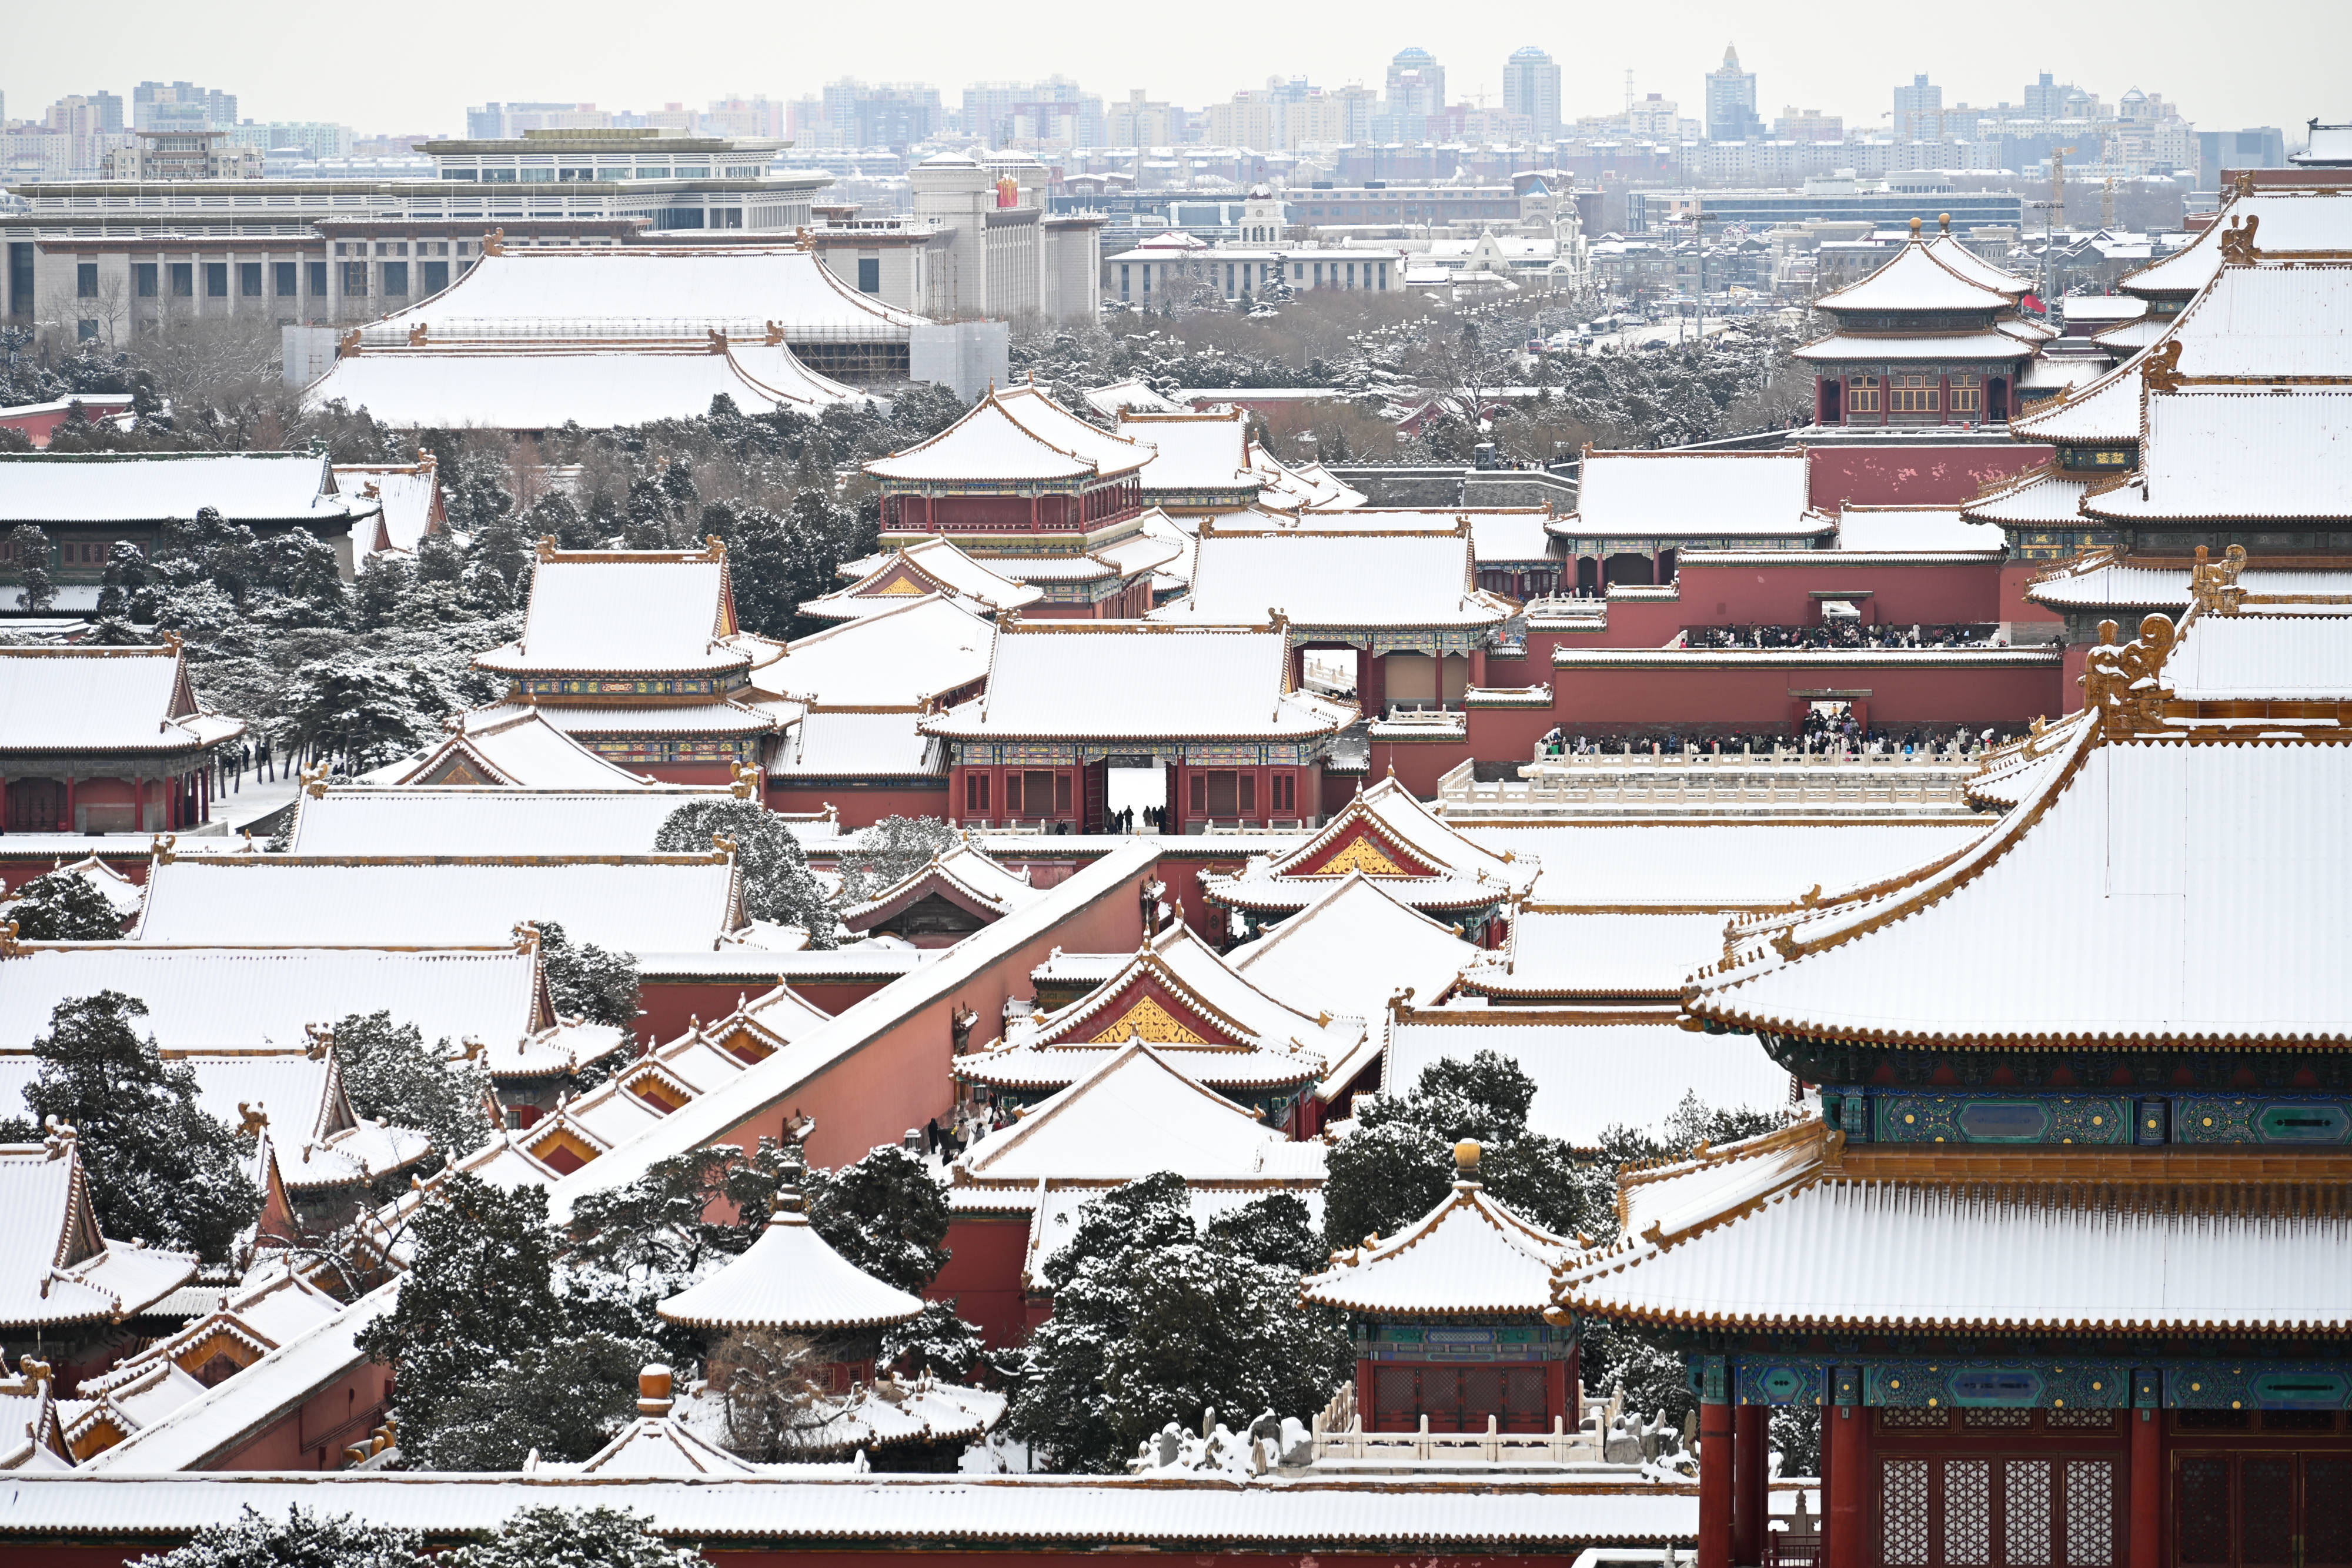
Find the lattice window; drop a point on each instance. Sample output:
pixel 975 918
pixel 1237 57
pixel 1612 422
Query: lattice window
pixel 1396 1395
pixel 2327 1510
pixel 1903 1420
pixel 1968 395
pixel 2203 1529
pixel 2003 1418
pixel 1968 1512
pixel 2266 1510
pixel 2298 1420
pixel 2211 1420
pixel 1861 396
pixel 1917 394
pixel 1903 1513
pixel 2025 1513
pixel 2079 1420
pixel 2090 1513
pixel 1524 1399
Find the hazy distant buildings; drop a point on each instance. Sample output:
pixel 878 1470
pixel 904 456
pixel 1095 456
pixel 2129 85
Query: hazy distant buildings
pixel 1919 110
pixel 1531 88
pixel 1416 95
pixel 1731 101
pixel 181 105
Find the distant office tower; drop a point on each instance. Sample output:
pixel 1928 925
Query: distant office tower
pixel 1416 92
pixel 1531 87
pixel 1731 101
pixel 181 105
pixel 1920 111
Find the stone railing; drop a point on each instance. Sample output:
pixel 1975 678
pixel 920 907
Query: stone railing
pixel 1704 786
pixel 1338 1434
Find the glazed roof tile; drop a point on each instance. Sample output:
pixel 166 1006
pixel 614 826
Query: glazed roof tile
pixel 619 612
pixel 1110 679
pixel 791 1279
pixel 517 387
pixel 1013 436
pixel 1654 494
pixel 1316 576
pixel 1470 1256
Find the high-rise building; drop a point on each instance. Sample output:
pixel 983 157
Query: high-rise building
pixel 1731 101
pixel 1531 88
pixel 1920 111
pixel 1808 125
pixel 1416 87
pixel 2047 99
pixel 181 105
pixel 882 114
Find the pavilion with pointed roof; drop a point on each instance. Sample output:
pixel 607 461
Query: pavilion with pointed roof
pixel 2066 1260
pixel 1393 838
pixel 1451 1319
pixel 1192 1007
pixel 947 899
pixel 1038 494
pixel 1933 338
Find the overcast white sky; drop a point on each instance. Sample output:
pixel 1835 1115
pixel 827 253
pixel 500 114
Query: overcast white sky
pixel 416 67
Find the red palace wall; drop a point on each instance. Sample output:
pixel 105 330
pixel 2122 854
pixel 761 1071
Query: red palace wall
pixel 1938 595
pixel 1508 734
pixel 112 1554
pixel 314 1435
pixel 24 858
pixel 861 805
pixel 1608 701
pixel 2017 610
pixel 899 1078
pixel 1873 476
pixel 681 772
pixel 983 1277
pixel 1418 765
pixel 835 996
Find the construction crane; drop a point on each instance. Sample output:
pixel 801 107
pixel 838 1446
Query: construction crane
pixel 2107 191
pixel 2058 185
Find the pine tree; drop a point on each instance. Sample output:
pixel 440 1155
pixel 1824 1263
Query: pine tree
pixel 389 1071
pixel 64 906
pixel 573 1538
pixel 301 1540
pixel 891 850
pixel 586 980
pixel 28 548
pixel 777 882
pixel 886 1213
pixel 160 1170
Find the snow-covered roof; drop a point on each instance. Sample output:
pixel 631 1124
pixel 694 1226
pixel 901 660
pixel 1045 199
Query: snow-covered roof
pixel 1989 343
pixel 655 904
pixel 2112 822
pixel 1129 396
pixel 1643 494
pixel 1921 277
pixel 1959 259
pixel 1178 994
pixel 653 1446
pixel 410 495
pixel 624 612
pixel 2237 453
pixel 55 1268
pixel 1088 678
pixel 1783 1238
pixel 1307 484
pixel 890 1411
pixel 1135 1113
pixel 747 714
pixel 516 746
pixel 1192 453
pixel 1016 435
pixel 1566 955
pixel 962 875
pixel 791 1279
pixel 1384 832
pixel 2265 657
pixel 1326 578
pixel 1509 537
pixel 249 487
pixel 517 386
pixel 1593 1069
pixel 474 820
pixel 1485 1512
pixel 645 292
pixel 82 699
pixel 931 565
pixel 2037 496
pixel 1350 948
pixel 827 745
pixel 1913 530
pixel 899 656
pixel 1469 1257
pixel 2284 221
pixel 1698 866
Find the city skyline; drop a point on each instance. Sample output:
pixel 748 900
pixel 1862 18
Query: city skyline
pixel 1826 67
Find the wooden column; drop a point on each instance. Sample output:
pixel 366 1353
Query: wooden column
pixel 67 825
pixel 1850 1457
pixel 1478 667
pixel 1715 1460
pixel 139 805
pixel 1749 1463
pixel 4 803
pixel 2145 1532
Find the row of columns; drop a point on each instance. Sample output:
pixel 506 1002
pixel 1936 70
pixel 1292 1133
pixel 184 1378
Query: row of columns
pixel 1734 1478
pixel 187 800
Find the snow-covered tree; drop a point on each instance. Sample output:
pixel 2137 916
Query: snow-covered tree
pixel 160 1170
pixel 302 1539
pixel 64 906
pixel 886 1213
pixel 1275 1229
pixel 388 1071
pixel 891 850
pixel 1398 1163
pixel 587 981
pixel 29 549
pixel 490 1359
pixel 773 1396
pixel 364 712
pixel 1151 1325
pixel 573 1538
pixel 777 882
pixel 633 1246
